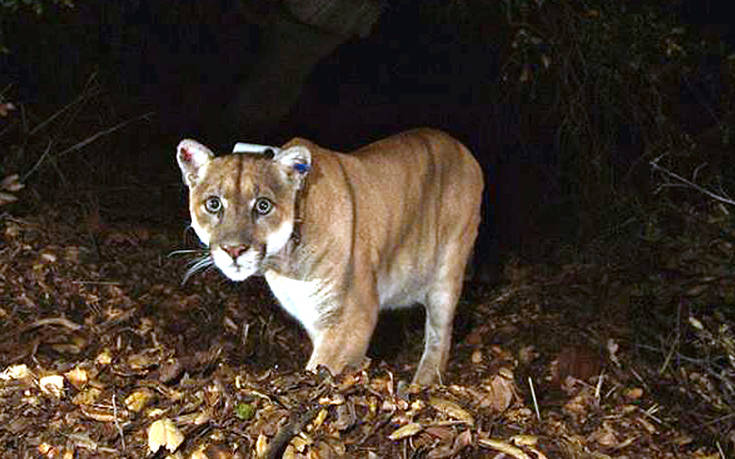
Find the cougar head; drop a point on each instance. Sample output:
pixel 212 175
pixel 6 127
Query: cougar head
pixel 242 205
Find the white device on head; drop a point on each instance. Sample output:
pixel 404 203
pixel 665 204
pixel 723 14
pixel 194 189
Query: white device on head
pixel 242 147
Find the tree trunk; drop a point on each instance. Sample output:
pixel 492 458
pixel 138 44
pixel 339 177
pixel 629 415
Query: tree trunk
pixel 294 42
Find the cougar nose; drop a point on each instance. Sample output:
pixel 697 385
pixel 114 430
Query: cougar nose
pixel 235 250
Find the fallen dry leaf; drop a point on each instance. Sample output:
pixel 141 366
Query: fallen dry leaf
pixel 7 198
pixel 346 417
pixel 261 445
pixel 11 183
pixel 78 377
pixel 452 410
pixel 501 391
pixel 289 452
pixel 139 399
pixel 408 430
pixel 604 437
pixel 104 357
pixel 524 440
pixel 579 362
pixel 125 307
pixel 5 108
pixel 634 393
pixel 460 442
pixel 301 442
pixel 52 385
pixel 164 432
pixel 87 396
pixel 318 420
pixel 47 450
pixel 19 371
pixel 101 413
pixel 503 448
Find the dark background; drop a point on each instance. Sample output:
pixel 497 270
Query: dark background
pixel 266 71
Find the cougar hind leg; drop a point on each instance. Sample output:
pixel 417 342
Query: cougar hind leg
pixel 441 302
pixel 438 335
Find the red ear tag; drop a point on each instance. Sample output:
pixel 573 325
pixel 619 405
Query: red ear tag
pixel 185 155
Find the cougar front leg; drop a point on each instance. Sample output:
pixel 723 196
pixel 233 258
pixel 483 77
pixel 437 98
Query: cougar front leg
pixel 345 340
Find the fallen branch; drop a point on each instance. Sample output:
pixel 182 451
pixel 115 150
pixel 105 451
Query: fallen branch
pixel 295 425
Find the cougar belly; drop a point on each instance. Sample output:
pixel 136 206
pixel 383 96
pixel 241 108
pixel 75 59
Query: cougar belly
pixel 403 286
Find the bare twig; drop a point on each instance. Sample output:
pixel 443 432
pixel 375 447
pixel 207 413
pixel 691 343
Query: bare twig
pixel 117 422
pixel 88 140
pixel 79 145
pixel 719 450
pixel 535 402
pixel 598 387
pixel 38 163
pixel 674 345
pixel 53 321
pixel 654 164
pixel 96 282
pixel 88 94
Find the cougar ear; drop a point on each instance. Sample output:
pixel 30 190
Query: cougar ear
pixel 191 156
pixel 296 159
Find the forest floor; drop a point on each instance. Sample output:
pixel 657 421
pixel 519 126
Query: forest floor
pixel 104 353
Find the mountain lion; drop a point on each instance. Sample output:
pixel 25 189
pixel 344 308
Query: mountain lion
pixel 340 236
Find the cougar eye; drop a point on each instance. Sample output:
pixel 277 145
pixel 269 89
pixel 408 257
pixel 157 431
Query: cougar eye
pixel 213 204
pixel 263 206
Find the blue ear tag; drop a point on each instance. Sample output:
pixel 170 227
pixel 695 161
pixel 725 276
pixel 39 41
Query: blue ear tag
pixel 301 168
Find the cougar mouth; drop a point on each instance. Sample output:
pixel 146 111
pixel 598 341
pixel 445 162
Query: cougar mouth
pixel 240 267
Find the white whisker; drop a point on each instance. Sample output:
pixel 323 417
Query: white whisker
pixel 186 251
pixel 197 264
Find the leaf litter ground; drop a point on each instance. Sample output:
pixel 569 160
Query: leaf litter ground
pixel 103 353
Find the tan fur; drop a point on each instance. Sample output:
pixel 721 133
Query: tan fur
pixel 389 225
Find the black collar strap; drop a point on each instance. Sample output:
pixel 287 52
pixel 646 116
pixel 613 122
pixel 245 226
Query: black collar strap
pixel 299 198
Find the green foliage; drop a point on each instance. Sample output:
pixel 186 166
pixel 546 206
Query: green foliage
pixel 244 411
